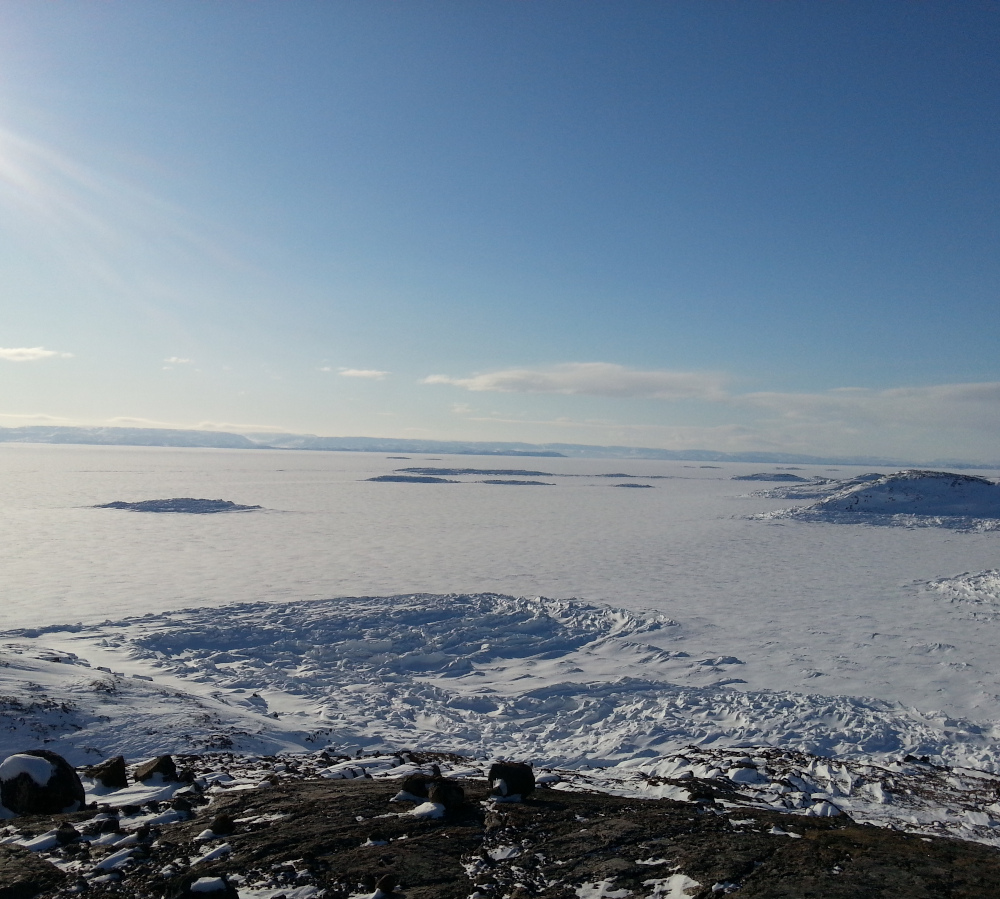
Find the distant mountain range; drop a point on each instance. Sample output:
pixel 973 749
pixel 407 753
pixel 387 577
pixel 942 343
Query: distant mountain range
pixel 226 440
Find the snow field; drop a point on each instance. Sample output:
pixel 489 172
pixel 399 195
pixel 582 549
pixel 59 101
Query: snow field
pixel 487 676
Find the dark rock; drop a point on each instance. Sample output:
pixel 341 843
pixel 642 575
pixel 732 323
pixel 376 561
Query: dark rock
pixel 163 764
pixel 61 792
pixel 387 883
pixel 111 774
pixel 23 875
pixel 448 793
pixel 415 785
pixel 511 779
pixel 180 804
pixel 222 825
pixel 67 833
pixel 107 823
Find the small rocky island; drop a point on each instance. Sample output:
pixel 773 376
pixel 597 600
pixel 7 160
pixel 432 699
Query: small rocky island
pixel 411 479
pixel 184 504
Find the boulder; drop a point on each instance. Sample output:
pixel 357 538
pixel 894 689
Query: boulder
pixel 40 782
pixel 415 785
pixel 446 792
pixel 110 773
pixel 508 779
pixel 162 764
pixel 222 825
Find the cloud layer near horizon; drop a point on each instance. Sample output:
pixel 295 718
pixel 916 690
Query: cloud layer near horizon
pixel 30 354
pixel 798 419
pixel 595 379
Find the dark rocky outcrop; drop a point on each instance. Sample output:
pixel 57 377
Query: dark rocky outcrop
pixel 448 793
pixel 346 837
pixel 111 773
pixel 511 779
pixel 433 788
pixel 42 791
pixel 222 825
pixel 415 785
pixel 163 765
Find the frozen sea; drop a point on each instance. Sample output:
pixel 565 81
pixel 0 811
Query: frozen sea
pixel 333 610
pixel 622 635
pixel 826 608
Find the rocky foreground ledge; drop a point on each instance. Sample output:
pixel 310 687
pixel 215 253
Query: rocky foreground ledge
pixel 436 826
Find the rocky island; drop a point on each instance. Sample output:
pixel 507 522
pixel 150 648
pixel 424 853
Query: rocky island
pixel 182 504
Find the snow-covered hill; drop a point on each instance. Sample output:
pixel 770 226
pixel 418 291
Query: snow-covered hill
pixel 911 497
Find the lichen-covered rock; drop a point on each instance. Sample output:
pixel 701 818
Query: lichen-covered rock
pixel 40 782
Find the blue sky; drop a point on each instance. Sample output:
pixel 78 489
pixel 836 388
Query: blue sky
pixel 733 226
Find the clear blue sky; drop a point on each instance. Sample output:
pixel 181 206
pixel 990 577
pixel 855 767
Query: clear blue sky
pixel 726 225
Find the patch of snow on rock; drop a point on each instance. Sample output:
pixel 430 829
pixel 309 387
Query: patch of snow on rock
pixel 38 769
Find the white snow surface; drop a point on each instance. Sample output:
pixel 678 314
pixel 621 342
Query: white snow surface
pixel 560 682
pixel 697 632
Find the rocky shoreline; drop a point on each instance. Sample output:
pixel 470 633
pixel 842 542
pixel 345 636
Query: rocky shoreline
pixel 305 826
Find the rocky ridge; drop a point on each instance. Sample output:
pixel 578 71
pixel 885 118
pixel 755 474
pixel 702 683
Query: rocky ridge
pixel 421 825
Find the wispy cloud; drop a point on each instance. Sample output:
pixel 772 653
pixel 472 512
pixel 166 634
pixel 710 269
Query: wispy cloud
pixel 975 406
pixel 178 360
pixel 934 420
pixel 370 373
pixel 595 379
pixel 30 354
